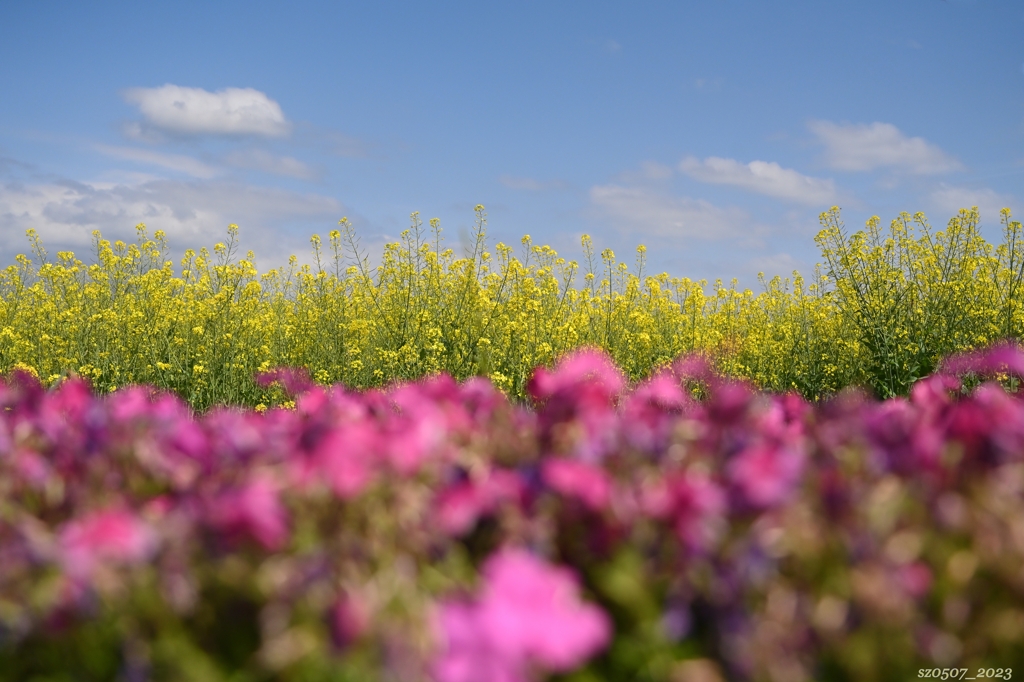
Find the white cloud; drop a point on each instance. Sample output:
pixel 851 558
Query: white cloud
pixel 950 199
pixel 175 162
pixel 643 210
pixel 191 213
pixel 762 177
pixel 530 184
pixel 194 111
pixel 860 147
pixel 258 159
pixel 652 170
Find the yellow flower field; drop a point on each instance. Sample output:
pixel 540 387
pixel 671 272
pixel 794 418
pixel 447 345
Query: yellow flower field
pixel 879 312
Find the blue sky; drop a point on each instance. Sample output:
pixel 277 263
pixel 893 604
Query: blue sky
pixel 713 132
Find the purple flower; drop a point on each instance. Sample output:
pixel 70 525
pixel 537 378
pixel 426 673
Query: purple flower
pixel 528 615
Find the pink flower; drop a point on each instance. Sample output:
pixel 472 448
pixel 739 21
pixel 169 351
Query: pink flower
pixel 107 536
pixel 693 503
pixel 536 611
pixel 419 428
pixel 345 458
pixel 765 475
pixel 254 510
pixel 915 579
pixel 1005 356
pixel 585 482
pixel 651 411
pixel 528 614
pixel 349 619
pixel 469 655
pixel 577 413
pixel 459 507
pixel 581 367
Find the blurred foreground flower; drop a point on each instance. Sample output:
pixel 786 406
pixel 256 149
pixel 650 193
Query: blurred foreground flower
pixel 527 617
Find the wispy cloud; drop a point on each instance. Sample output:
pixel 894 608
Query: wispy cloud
pixel 258 159
pixel 530 184
pixel 645 211
pixel 191 213
pixel 194 111
pixel 9 165
pixel 862 147
pixel 950 199
pixel 175 162
pixel 763 177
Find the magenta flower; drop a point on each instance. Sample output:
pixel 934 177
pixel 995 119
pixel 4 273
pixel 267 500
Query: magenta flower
pixel 586 482
pixel 255 511
pixel 692 502
pixel 528 615
pixel 904 435
pixel 111 535
pixel 577 404
pixel 459 507
pixel 470 655
pixel 587 366
pixel 765 475
pixel 346 458
pixel 348 619
pixel 1003 357
pixel 915 579
pixel 417 431
pixel 652 409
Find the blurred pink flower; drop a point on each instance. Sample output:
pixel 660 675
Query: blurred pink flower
pixel 418 429
pixel 915 579
pixel 111 535
pixel 692 502
pixel 346 458
pixel 652 409
pixel 586 482
pixel 254 510
pixel 294 380
pixel 909 435
pixel 580 367
pixel 32 468
pixel 1002 357
pixel 528 614
pixel 577 401
pixel 470 655
pixel 765 475
pixel 349 619
pixel 460 506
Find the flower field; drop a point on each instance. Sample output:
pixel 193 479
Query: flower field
pixel 436 530
pixel 472 470
pixel 883 309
